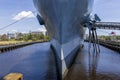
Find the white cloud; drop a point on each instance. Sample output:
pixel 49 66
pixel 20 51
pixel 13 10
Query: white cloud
pixel 11 31
pixel 23 14
pixel 42 28
pixel 23 32
pixel 14 31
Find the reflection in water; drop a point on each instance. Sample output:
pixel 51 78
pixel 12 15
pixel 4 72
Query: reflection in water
pixel 89 66
pixel 77 71
pixel 93 58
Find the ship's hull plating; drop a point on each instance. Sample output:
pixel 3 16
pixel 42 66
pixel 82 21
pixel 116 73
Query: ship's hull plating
pixel 63 21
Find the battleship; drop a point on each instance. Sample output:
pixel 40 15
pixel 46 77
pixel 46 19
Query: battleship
pixel 64 21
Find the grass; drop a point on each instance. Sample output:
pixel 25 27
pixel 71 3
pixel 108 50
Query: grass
pixel 12 42
pixel 5 43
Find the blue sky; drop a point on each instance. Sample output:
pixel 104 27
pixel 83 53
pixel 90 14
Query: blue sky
pixel 108 10
pixel 10 8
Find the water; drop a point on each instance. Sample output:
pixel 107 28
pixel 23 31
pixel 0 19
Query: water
pixel 35 62
pixel 107 66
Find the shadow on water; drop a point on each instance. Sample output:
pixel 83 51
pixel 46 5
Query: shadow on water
pixel 52 73
pixel 95 66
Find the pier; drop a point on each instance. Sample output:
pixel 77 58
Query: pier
pixel 111 44
pixel 15 46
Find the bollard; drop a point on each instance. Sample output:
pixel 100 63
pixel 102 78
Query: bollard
pixel 14 76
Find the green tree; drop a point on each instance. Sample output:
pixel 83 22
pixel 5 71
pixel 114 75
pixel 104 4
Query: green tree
pixel 25 37
pixel 47 37
pixel 4 37
pixel 41 36
pixel 29 36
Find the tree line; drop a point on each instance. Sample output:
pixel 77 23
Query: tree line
pixel 109 37
pixel 25 37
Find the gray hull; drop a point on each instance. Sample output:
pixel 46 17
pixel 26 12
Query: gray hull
pixel 64 21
